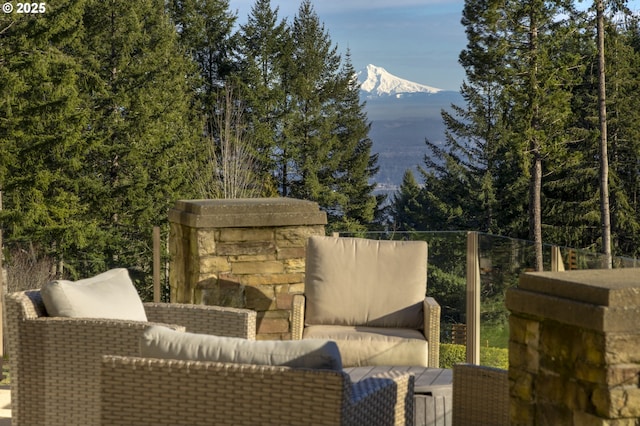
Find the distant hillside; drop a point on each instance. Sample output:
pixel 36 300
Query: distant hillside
pixel 401 120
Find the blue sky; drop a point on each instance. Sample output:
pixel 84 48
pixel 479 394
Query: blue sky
pixel 418 40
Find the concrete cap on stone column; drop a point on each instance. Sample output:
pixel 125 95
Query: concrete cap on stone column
pixel 606 287
pixel 246 212
pixel 603 299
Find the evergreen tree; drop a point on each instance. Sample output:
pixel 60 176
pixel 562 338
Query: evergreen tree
pixel 407 206
pixel 41 131
pixel 322 151
pixel 311 88
pixel 143 132
pixel 262 45
pixel 621 50
pixel 306 115
pixel 357 205
pixel 542 79
pixel 205 28
pixel 520 66
pixel 99 130
pixel 465 185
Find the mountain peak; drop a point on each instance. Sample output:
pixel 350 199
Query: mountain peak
pixel 378 81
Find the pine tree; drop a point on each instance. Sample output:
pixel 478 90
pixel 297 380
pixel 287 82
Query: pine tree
pixel 206 28
pixel 464 180
pixel 539 34
pixel 520 73
pixel 311 87
pixel 263 42
pixel 44 116
pixel 623 49
pixel 356 207
pixel 99 129
pixel 407 207
pixel 143 132
pixel 306 116
pixel 622 122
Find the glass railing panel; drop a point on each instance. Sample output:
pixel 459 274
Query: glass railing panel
pixel 501 261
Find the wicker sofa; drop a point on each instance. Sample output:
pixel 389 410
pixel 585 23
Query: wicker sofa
pixel 156 392
pixel 55 361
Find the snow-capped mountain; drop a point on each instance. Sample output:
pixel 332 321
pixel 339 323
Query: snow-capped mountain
pixel 402 114
pixel 377 81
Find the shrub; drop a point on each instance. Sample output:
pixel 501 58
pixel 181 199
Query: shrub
pixel 456 354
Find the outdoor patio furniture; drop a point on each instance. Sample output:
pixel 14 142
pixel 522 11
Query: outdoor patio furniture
pixel 480 395
pixel 431 391
pixel 157 392
pixel 55 361
pixel 369 297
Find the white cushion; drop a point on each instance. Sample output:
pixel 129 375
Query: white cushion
pixel 164 343
pixel 362 346
pixel 109 295
pixel 355 281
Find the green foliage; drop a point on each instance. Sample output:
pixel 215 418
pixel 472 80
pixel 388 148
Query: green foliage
pixel 310 128
pixel 451 355
pixel 521 158
pixel 106 110
pixel 99 131
pixel 407 205
pixel 263 46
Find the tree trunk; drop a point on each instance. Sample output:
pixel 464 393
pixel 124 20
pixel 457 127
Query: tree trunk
pixel 535 183
pixel 604 161
pixel 535 205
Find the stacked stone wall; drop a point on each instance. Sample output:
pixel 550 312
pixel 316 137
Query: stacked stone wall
pixel 574 350
pixel 243 253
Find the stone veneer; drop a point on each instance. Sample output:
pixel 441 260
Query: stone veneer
pixel 245 253
pixel 574 349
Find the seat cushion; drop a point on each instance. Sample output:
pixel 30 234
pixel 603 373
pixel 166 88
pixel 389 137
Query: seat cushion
pixel 162 342
pixel 362 346
pixel 110 294
pixel 355 281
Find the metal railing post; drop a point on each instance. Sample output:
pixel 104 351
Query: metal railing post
pixel 473 299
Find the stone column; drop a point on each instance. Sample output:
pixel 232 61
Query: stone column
pixel 574 348
pixel 245 253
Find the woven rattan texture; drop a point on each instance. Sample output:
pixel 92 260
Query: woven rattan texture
pixel 142 391
pixel 432 330
pixel 55 362
pixel 216 320
pixel 480 396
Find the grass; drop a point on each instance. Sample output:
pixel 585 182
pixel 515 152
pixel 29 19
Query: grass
pixel 494 335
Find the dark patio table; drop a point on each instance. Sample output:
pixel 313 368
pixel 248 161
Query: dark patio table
pixel 432 391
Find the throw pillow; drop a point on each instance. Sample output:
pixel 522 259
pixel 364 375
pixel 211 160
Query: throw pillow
pixel 110 294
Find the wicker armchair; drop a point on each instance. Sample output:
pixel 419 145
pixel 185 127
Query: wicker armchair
pixel 156 392
pixel 55 362
pixel 369 297
pixel 480 395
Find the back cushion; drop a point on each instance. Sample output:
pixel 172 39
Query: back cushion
pixel 162 342
pixel 353 281
pixel 109 295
